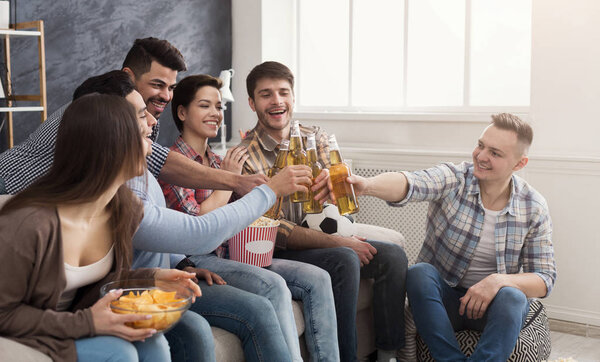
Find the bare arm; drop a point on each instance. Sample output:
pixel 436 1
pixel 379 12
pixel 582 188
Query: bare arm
pixel 389 186
pixel 181 171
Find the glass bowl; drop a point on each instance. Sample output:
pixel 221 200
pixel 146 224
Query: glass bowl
pixel 164 301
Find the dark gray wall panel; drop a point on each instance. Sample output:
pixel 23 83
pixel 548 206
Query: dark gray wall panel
pixel 86 38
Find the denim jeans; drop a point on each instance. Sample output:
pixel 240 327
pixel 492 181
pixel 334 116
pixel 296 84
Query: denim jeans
pixel 435 305
pixel 280 282
pixel 249 316
pixel 115 349
pixel 387 268
pixel 191 339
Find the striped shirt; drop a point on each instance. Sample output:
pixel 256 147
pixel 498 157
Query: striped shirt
pixel 262 149
pixel 21 165
pixel 523 229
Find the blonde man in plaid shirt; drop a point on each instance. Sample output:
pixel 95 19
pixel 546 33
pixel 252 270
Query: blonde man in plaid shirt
pixel 347 259
pixel 488 245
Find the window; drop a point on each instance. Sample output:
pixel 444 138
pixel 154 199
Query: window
pixel 410 55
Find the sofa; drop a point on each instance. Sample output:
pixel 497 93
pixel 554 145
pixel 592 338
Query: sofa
pixel 227 346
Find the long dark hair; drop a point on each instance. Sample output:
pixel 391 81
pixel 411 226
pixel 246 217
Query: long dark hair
pixel 98 140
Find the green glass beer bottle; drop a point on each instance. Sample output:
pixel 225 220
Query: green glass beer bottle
pixel 312 206
pixel 278 165
pixel 338 172
pixel 297 156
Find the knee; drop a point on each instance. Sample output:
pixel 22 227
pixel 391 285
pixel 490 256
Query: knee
pixel 276 287
pixel 345 260
pixel 120 350
pixel 317 277
pixel 511 299
pixel 392 256
pixel 420 275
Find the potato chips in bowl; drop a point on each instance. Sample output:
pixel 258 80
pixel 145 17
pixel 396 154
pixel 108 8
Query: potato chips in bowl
pixel 164 301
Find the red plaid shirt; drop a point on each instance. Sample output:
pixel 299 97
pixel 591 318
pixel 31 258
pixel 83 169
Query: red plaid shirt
pixel 189 200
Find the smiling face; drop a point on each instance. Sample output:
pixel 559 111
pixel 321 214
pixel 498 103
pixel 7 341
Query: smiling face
pixel 203 116
pixel 156 87
pixel 273 103
pixel 497 155
pixel 145 119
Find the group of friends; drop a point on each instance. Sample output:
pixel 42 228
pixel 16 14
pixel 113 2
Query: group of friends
pixel 96 199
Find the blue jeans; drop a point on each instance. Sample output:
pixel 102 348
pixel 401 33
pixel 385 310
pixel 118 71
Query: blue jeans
pixel 115 349
pixel 191 339
pixel 435 305
pixel 387 268
pixel 279 283
pixel 249 316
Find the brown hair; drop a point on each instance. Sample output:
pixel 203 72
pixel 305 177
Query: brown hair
pixel 510 122
pixel 185 92
pixel 144 51
pixel 98 140
pixel 270 69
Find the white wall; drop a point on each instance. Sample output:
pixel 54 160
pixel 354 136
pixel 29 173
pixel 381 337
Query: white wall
pixel 565 157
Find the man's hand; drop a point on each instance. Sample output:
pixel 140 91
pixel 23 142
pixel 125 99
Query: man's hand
pixel 246 183
pixel 364 250
pixel 323 186
pixel 290 179
pixel 205 274
pixel 360 184
pixel 479 296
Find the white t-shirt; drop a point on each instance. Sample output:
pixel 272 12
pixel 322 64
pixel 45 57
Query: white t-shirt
pixel 483 262
pixel 78 277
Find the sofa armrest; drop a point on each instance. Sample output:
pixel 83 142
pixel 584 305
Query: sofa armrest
pixel 379 233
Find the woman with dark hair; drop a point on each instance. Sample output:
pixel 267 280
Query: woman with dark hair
pixel 70 233
pixel 198 113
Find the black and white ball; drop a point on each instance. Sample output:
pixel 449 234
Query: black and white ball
pixel 330 221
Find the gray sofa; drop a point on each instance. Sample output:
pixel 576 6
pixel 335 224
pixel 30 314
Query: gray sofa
pixel 228 346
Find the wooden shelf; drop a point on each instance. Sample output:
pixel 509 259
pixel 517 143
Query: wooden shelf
pixel 22 29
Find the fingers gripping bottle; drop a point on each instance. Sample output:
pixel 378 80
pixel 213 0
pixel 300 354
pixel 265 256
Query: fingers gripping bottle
pixel 338 172
pixel 278 165
pixel 297 156
pixel 312 206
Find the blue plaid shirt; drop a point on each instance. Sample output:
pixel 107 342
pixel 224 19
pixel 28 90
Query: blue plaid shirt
pixel 523 233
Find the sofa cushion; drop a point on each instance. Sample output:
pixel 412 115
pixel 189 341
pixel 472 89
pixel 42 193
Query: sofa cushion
pixel 13 351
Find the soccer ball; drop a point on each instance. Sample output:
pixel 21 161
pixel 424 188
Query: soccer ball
pixel 330 221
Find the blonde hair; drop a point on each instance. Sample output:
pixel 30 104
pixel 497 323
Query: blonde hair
pixel 510 122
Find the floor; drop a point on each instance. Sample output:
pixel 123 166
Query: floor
pixel 579 348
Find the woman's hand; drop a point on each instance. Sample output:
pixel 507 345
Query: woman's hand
pixel 234 159
pixel 106 322
pixel 205 274
pixel 291 179
pixel 186 279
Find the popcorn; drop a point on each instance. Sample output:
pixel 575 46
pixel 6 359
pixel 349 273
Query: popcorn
pixel 265 222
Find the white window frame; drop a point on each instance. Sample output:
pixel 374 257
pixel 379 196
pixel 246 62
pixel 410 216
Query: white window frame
pixel 464 113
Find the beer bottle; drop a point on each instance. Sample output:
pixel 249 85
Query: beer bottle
pixel 338 172
pixel 278 165
pixel 312 206
pixel 297 156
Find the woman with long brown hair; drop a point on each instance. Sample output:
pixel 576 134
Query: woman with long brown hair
pixel 70 232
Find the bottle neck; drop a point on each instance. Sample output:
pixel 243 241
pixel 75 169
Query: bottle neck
pixel 296 143
pixel 335 157
pixel 311 155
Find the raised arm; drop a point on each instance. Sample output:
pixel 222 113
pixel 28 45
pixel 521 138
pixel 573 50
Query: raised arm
pixel 181 171
pixel 389 186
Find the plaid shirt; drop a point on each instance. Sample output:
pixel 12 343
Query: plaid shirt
pixel 523 234
pixel 262 149
pixel 189 200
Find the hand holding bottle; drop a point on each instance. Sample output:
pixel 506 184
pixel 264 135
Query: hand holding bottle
pixel 291 179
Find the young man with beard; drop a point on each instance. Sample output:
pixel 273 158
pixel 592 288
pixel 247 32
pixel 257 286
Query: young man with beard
pixel 346 259
pixel 153 65
pixel 484 226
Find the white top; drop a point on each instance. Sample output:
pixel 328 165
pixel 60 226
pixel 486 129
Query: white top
pixel 78 277
pixel 483 262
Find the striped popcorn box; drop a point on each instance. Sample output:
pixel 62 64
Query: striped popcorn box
pixel 254 245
